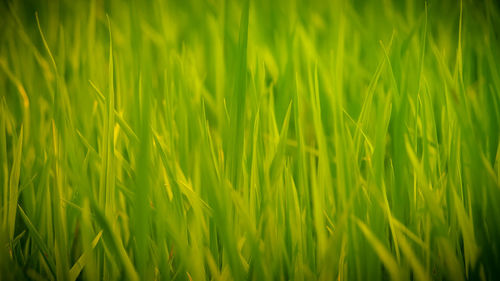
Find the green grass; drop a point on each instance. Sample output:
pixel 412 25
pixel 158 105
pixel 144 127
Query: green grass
pixel 249 140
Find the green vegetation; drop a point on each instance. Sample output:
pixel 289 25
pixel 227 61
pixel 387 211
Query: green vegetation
pixel 249 140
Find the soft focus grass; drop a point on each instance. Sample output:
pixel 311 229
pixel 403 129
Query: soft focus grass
pixel 252 140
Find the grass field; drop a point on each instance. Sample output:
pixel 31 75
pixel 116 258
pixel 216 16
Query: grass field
pixel 249 140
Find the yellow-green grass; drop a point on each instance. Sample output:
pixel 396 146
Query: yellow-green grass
pixel 249 140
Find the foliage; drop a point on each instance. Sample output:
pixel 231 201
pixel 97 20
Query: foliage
pixel 249 140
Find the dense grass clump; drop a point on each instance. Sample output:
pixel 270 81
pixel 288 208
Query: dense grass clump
pixel 249 140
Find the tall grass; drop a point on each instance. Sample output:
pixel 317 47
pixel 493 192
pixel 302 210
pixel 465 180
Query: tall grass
pixel 249 140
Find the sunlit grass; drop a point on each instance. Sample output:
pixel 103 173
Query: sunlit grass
pixel 249 140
